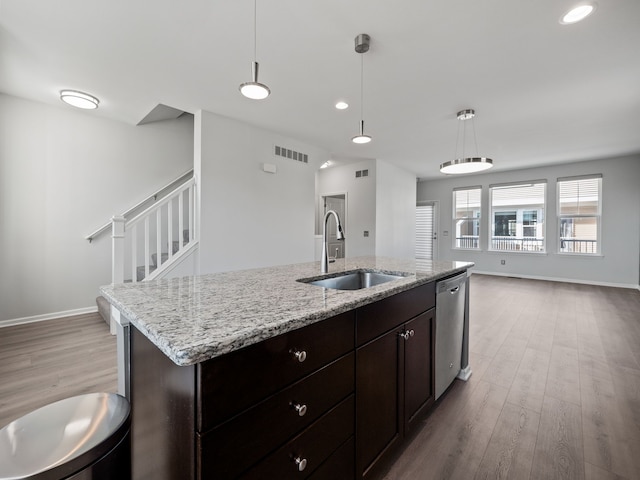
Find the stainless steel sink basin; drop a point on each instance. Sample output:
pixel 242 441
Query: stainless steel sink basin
pixel 355 280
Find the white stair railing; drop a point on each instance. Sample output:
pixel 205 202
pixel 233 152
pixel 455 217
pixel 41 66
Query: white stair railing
pixel 146 245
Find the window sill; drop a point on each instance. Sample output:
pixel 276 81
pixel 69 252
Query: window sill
pixel 459 249
pixel 582 255
pixel 517 252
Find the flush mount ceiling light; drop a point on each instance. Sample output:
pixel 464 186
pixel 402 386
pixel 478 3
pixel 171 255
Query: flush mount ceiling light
pixel 79 99
pixel 342 105
pixel 254 89
pixel 464 164
pixel 578 13
pixel 362 46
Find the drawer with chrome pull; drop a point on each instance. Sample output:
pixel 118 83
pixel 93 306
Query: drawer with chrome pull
pixel 302 456
pixel 230 384
pixel 232 447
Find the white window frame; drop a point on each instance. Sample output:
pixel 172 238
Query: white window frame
pixel 455 219
pixel 519 213
pixel 598 216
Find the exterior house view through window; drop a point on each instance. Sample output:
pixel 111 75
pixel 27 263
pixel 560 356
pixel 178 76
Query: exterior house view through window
pixel 579 208
pixel 517 217
pixel 466 217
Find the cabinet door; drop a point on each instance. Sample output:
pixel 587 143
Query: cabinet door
pixel 378 383
pixel 418 365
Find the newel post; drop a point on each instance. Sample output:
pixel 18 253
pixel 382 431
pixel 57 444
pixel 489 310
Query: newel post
pixel 117 249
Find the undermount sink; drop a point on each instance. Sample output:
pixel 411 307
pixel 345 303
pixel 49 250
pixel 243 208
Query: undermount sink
pixel 355 280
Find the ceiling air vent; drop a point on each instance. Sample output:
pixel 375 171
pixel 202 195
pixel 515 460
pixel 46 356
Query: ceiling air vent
pixel 292 154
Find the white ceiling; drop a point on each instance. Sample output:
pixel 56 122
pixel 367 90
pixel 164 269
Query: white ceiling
pixel 543 92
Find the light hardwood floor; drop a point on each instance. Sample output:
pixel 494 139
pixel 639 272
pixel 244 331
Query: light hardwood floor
pixel 43 362
pixel 555 390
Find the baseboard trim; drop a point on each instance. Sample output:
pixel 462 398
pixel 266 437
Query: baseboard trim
pixel 47 316
pixel 557 279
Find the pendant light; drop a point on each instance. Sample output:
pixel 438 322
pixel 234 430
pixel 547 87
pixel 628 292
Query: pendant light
pixel 464 164
pixel 254 89
pixel 362 47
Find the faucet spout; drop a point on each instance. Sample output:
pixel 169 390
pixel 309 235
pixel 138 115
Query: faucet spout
pixel 324 264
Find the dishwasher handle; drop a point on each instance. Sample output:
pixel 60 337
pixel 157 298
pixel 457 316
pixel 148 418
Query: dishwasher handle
pixel 454 290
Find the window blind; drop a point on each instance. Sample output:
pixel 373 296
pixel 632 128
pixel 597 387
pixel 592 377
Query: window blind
pixel 424 232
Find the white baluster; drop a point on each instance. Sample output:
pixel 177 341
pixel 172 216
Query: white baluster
pixel 117 249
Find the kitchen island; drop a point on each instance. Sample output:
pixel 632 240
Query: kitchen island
pixel 218 364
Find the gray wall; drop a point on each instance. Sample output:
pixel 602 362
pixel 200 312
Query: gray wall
pixel 383 203
pixel 395 211
pixel 63 173
pixel 361 204
pixel 250 218
pixel 620 258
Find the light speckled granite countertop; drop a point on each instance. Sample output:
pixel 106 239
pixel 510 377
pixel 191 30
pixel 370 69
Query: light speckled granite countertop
pixel 193 319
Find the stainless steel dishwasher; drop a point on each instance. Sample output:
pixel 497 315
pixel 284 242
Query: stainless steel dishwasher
pixel 450 298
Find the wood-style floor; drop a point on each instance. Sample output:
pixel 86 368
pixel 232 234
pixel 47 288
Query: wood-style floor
pixel 43 362
pixel 555 390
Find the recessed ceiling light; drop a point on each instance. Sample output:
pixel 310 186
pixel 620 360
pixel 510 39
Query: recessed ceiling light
pixel 326 164
pixel 577 13
pixel 79 99
pixel 342 105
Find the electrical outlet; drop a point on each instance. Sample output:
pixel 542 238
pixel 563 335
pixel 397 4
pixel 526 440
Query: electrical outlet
pixel 503 262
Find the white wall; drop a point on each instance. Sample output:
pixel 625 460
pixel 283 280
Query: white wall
pixel 250 218
pixel 395 211
pixel 361 204
pixel 620 223
pixel 63 173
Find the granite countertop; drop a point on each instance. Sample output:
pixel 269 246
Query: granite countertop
pixel 193 319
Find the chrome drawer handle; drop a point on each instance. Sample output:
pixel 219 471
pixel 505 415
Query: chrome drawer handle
pixel 301 463
pixel 301 409
pixel 300 355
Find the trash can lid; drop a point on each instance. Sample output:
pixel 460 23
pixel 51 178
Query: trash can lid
pixel 64 437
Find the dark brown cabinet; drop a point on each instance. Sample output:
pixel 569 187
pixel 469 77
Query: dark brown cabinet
pixel 331 400
pixel 394 373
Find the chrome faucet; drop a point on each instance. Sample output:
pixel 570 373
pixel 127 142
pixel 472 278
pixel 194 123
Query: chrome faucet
pixel 324 264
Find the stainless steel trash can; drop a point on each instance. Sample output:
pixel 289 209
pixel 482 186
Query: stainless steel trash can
pixel 79 438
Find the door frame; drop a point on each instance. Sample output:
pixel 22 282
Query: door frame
pixel 320 214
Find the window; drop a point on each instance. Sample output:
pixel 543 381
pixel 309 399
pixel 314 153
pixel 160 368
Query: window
pixel 466 217
pixel 579 207
pixel 517 217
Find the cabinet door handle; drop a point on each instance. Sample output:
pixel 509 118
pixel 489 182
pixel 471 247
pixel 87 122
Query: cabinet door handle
pixel 404 335
pixel 300 355
pixel 301 409
pixel 301 463
pixel 411 333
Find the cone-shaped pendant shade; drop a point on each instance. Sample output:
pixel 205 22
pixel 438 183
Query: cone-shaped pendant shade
pixel 254 90
pixel 361 138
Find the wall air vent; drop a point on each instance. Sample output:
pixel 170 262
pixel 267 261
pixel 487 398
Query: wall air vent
pixel 362 173
pixel 292 154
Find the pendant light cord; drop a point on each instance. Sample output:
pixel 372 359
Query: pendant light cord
pixel 362 86
pixel 255 30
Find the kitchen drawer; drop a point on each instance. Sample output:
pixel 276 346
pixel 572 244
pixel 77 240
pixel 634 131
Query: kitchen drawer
pixel 338 466
pixel 377 318
pixel 233 447
pixel 229 384
pixel 312 447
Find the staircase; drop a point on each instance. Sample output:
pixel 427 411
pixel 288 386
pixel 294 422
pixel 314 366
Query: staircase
pixel 140 245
